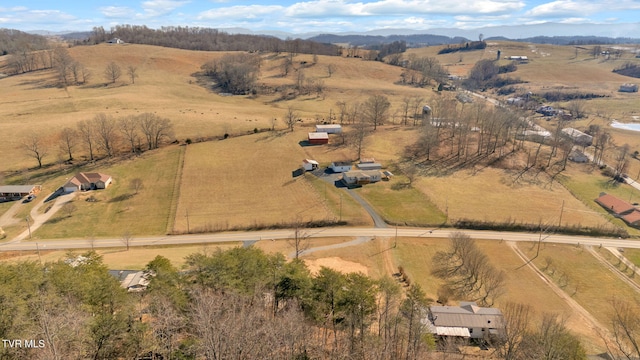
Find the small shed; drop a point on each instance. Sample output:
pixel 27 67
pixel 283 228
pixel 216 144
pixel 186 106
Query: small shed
pixel 628 88
pixel 309 165
pixel 318 138
pixel 361 177
pixel 340 166
pixel 329 128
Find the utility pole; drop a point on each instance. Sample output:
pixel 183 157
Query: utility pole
pixel 188 229
pixel 38 251
pixel 561 211
pixel 29 227
pixel 340 207
pixel 395 242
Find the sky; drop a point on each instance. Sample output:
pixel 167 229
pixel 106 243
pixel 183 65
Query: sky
pixel 300 16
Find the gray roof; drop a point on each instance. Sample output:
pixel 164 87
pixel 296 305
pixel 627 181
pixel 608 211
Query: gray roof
pixel 341 163
pixel 467 315
pixel 369 166
pixel 17 188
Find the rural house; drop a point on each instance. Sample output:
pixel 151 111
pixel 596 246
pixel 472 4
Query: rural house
pixel 620 209
pixel 466 321
pixel 340 166
pixel 87 181
pixel 318 138
pixel 329 128
pixel 361 177
pixel 309 165
pixel 115 41
pixel 16 192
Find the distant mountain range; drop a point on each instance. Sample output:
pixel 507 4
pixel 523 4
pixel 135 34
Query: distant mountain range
pixel 553 33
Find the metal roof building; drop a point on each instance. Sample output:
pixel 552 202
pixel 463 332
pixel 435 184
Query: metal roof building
pixel 480 322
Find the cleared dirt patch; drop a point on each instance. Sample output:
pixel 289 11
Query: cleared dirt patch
pixel 336 263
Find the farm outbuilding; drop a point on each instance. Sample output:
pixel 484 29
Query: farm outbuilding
pixel 578 137
pixel 466 321
pixel 87 181
pixel 620 209
pixel 318 138
pixel 369 166
pixel 309 165
pixel 16 192
pixel 340 166
pixel 628 88
pixel 329 128
pixel 361 177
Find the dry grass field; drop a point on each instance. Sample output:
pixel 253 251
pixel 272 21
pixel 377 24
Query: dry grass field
pixel 118 209
pixel 490 195
pixel 580 275
pixel 246 182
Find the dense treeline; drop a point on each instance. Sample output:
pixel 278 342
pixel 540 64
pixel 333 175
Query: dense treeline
pixel 13 41
pixel 396 47
pixel 415 40
pixel 240 303
pixel 196 38
pixel 628 69
pixel 467 46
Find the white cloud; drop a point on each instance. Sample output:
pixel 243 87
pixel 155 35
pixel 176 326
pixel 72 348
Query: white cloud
pixel 240 12
pixel 116 11
pixel 318 8
pixel 154 8
pixel 571 8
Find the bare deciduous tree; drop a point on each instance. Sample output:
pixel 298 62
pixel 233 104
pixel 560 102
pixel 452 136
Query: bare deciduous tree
pixel 625 324
pixel 155 129
pixel 300 240
pixel 290 118
pixel 106 131
pixel 112 72
pixel 69 208
pixel 130 128
pixel 516 323
pixel 62 62
pixel 132 72
pixel 87 136
pixel 376 110
pixel 68 138
pixel 36 147
pixel 126 238
pixel 357 137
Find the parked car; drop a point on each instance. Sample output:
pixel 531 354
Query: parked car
pixel 29 198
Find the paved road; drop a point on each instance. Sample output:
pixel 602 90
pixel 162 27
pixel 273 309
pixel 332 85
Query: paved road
pixel 332 178
pixel 350 232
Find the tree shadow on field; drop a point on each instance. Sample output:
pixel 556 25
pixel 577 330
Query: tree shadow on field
pixel 271 135
pixel 122 197
pixel 39 84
